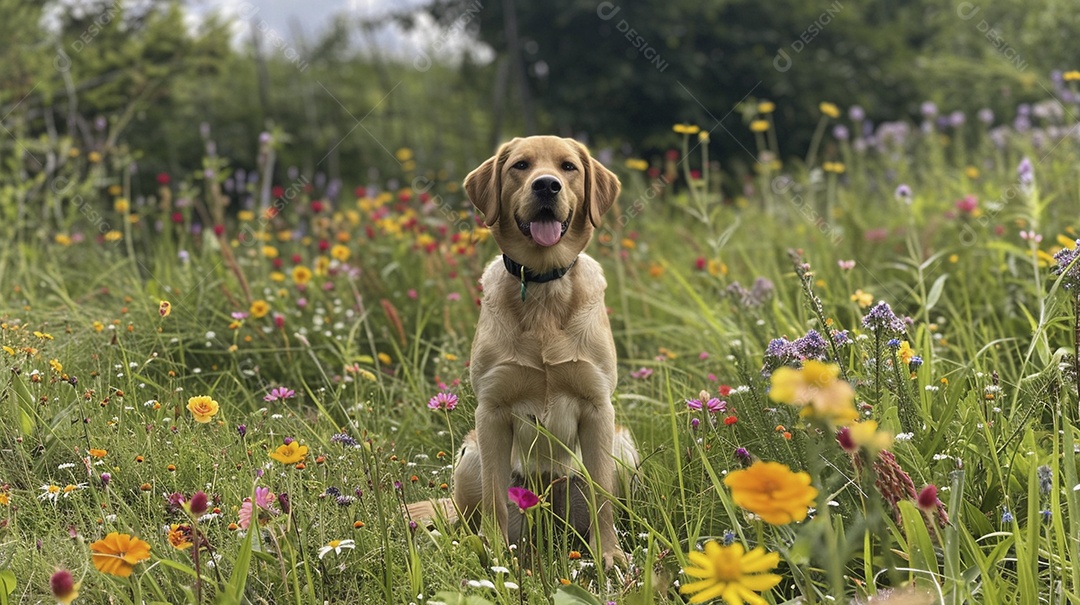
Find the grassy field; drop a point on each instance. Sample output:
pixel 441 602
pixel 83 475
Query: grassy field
pixel 323 327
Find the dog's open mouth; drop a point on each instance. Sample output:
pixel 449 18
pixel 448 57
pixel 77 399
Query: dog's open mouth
pixel 545 229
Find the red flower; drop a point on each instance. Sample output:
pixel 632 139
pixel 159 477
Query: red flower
pixel 317 206
pixel 219 230
pixel 324 245
pixel 277 191
pixel 178 217
pixel 927 498
pixel 163 178
pixel 297 259
pixel 725 390
pixel 701 263
pixel 730 420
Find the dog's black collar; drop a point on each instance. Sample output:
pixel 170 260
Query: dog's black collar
pixel 526 275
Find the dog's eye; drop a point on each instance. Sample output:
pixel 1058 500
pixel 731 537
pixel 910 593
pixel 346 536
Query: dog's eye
pixel 568 166
pixel 522 165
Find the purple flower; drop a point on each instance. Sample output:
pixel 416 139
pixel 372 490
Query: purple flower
pixel 903 194
pixel 841 337
pixel 524 498
pixel 443 401
pixel 343 439
pixel 840 132
pixel 242 429
pixel 856 113
pixel 105 478
pixel 915 362
pixel 779 348
pixel 280 393
pixel 811 346
pixel 928 109
pixel 641 373
pixel 881 317
pixel 695 422
pixel 1025 172
pixel 957 119
pixel 742 453
pixel 1068 267
pixel 986 115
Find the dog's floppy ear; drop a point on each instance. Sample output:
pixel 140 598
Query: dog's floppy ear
pixel 601 186
pixel 484 185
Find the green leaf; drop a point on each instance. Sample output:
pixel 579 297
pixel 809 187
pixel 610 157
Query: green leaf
pixel 572 594
pixel 935 291
pixel 7 582
pixel 234 590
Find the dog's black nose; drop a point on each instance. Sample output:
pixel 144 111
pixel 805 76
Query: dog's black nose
pixel 546 186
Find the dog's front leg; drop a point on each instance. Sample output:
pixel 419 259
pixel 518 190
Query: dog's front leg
pixel 596 433
pixel 495 434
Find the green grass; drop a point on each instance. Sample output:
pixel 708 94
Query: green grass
pixel 377 334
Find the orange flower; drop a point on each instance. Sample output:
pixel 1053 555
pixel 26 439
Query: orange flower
pixel 203 408
pixel 117 554
pixel 772 491
pixel 96 453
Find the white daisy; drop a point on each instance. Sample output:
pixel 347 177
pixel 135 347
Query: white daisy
pixel 337 546
pixel 50 491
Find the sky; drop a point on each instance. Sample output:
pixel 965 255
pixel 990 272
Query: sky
pixel 311 17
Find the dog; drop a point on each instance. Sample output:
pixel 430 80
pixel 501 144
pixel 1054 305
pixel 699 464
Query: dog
pixel 543 359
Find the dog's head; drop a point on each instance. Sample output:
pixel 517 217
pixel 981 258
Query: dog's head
pixel 542 197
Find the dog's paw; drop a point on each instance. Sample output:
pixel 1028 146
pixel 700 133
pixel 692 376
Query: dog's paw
pixel 614 557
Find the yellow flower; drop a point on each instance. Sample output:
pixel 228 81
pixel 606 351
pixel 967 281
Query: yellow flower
pixel 322 264
pixel 245 216
pixel 703 136
pixel 905 352
pixel 62 239
pixel 716 268
pixel 114 236
pixel 1071 76
pixel 340 252
pixel 277 276
pixel 829 109
pixel 301 275
pixel 98 326
pixel 1066 242
pixel 637 164
pixel 731 573
pixel 9 350
pixel 836 167
pixel 384 359
pixel 818 389
pixel 404 154
pixel 164 308
pixel 686 128
pixel 117 554
pixel 180 536
pixel 121 205
pixel 94 157
pixel 766 107
pixel 203 408
pixel 865 299
pixel 971 172
pixel 4 499
pixel 772 491
pixel 270 252
pixel 259 309
pixel 56 366
pixel 759 126
pixel 290 453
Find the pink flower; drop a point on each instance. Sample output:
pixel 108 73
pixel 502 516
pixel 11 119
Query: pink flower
pixel 967 205
pixel 443 401
pixel 927 498
pixel 641 373
pixel 524 498
pixel 245 514
pixel 280 393
pixel 846 265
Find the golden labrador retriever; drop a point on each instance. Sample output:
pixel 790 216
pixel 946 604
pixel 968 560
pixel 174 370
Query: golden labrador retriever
pixel 543 359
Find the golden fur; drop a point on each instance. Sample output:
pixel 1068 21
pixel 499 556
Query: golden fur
pixel 543 369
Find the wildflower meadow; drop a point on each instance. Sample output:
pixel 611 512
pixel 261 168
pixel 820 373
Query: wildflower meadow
pixel 850 368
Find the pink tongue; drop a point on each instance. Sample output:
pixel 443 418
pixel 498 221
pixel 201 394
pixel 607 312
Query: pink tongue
pixel 546 233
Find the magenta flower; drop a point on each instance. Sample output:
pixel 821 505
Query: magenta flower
pixel 524 498
pixel 443 401
pixel 641 373
pixel 280 393
pixel 713 405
